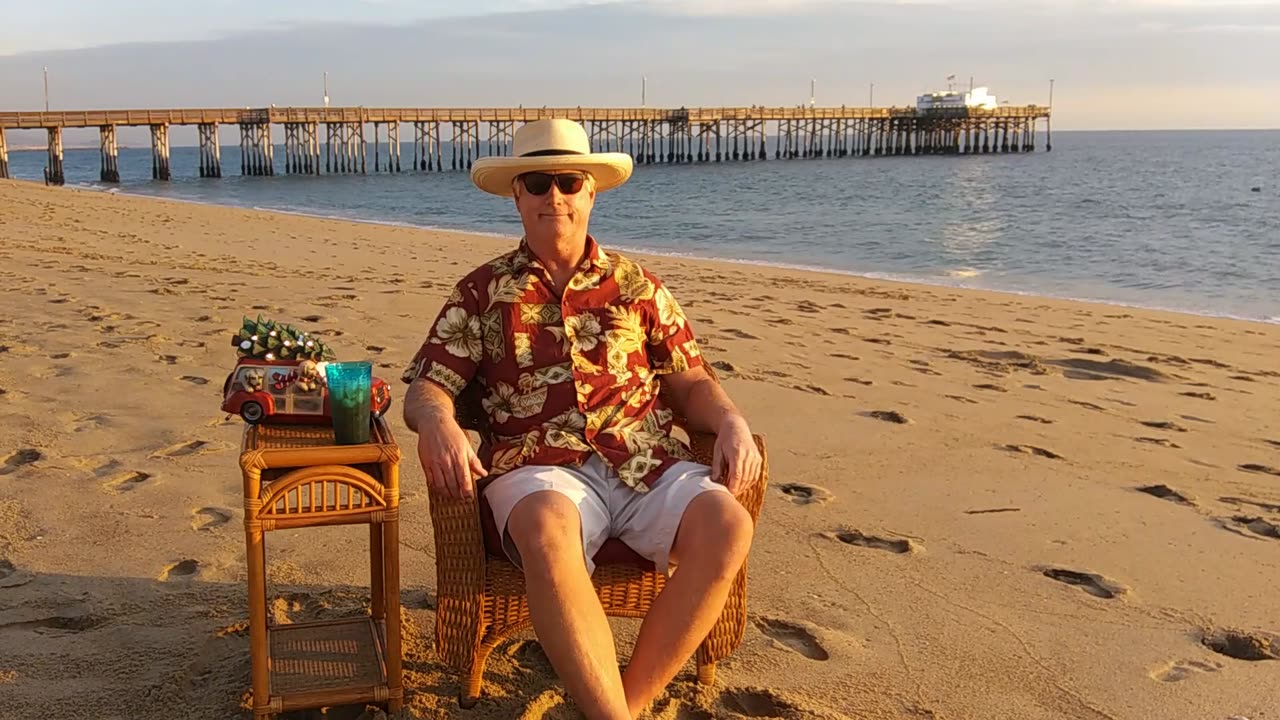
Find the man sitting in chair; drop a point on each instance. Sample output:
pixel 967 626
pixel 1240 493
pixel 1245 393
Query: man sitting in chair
pixel 569 343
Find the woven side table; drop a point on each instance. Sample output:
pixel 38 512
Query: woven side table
pixel 295 477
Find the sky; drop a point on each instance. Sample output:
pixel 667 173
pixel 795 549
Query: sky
pixel 1116 64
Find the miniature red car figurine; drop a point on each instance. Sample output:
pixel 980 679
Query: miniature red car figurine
pixel 287 391
pixel 279 377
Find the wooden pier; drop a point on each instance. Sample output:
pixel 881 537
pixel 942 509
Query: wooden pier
pixel 649 135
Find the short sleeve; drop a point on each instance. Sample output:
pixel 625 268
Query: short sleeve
pixel 450 356
pixel 671 346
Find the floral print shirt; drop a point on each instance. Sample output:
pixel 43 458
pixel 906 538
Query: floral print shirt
pixel 567 376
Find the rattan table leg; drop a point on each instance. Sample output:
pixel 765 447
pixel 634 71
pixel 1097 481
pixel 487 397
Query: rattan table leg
pixel 390 570
pixel 377 573
pixel 260 673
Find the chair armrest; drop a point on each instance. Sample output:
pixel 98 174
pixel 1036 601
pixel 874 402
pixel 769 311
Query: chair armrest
pixel 703 446
pixel 460 568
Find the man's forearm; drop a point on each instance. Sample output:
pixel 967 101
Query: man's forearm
pixel 424 402
pixel 708 405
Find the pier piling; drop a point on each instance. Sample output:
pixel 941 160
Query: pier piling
pixel 210 151
pixel 110 152
pixel 159 152
pixel 53 172
pixel 4 157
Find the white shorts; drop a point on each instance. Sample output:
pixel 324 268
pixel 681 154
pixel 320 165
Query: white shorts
pixel 646 522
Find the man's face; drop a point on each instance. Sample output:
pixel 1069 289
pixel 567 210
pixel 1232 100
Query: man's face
pixel 555 214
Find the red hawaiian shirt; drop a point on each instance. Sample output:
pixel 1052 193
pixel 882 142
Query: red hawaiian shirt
pixel 565 376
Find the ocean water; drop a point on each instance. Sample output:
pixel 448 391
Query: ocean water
pixel 1152 219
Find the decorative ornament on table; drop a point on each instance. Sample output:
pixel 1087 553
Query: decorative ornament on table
pixel 310 376
pixel 267 340
pixel 280 376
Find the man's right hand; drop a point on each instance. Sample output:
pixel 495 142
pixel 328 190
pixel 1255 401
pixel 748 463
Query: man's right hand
pixel 448 461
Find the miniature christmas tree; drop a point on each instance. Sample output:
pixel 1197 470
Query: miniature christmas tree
pixel 267 340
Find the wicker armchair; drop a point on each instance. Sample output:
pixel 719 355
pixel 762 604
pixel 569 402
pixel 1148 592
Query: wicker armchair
pixel 481 595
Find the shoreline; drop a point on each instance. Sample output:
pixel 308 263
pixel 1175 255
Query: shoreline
pixel 889 277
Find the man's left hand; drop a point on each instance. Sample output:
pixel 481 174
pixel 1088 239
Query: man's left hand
pixel 735 457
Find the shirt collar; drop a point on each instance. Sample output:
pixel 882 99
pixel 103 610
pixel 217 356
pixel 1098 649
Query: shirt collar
pixel 593 260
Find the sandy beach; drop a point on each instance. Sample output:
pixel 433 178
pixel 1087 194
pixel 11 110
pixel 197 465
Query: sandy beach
pixel 983 505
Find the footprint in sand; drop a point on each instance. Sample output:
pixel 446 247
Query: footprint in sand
pixel 1264 506
pixel 1092 583
pixel 17 459
pixel 741 334
pixel 1200 395
pixel 208 518
pixel 126 481
pixel 60 356
pixel 195 379
pixel 758 702
pixel 1258 526
pixel 1164 492
pixel 529 655
pixel 792 637
pixel 859 381
pixel 802 494
pixel 191 447
pixel 990 386
pixel 374 348
pixel 892 416
pixel 844 356
pixel 11 576
pixel 1036 418
pixel 1183 669
pixel 1032 450
pixel 815 389
pixel 180 570
pixel 1243 644
pixel 1163 442
pixel 90 421
pixel 856 537
pixel 1086 404
pixel 1163 425
pixel 1247 467
pixel 67 623
pixel 963 399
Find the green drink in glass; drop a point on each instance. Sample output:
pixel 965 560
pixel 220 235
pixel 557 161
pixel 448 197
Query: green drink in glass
pixel 349 388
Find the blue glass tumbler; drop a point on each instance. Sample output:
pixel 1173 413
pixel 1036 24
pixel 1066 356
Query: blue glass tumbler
pixel 349 388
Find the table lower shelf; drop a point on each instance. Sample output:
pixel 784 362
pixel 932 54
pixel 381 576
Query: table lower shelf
pixel 328 662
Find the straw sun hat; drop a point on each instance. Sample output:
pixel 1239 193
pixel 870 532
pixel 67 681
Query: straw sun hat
pixel 550 145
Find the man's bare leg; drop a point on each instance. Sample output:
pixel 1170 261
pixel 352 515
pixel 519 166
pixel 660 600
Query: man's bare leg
pixel 567 615
pixel 711 544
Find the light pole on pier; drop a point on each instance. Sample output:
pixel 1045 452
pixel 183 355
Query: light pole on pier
pixel 1048 122
pixel 871 98
pixel 46 88
pixel 326 88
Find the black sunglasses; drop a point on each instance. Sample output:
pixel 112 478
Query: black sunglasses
pixel 539 183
